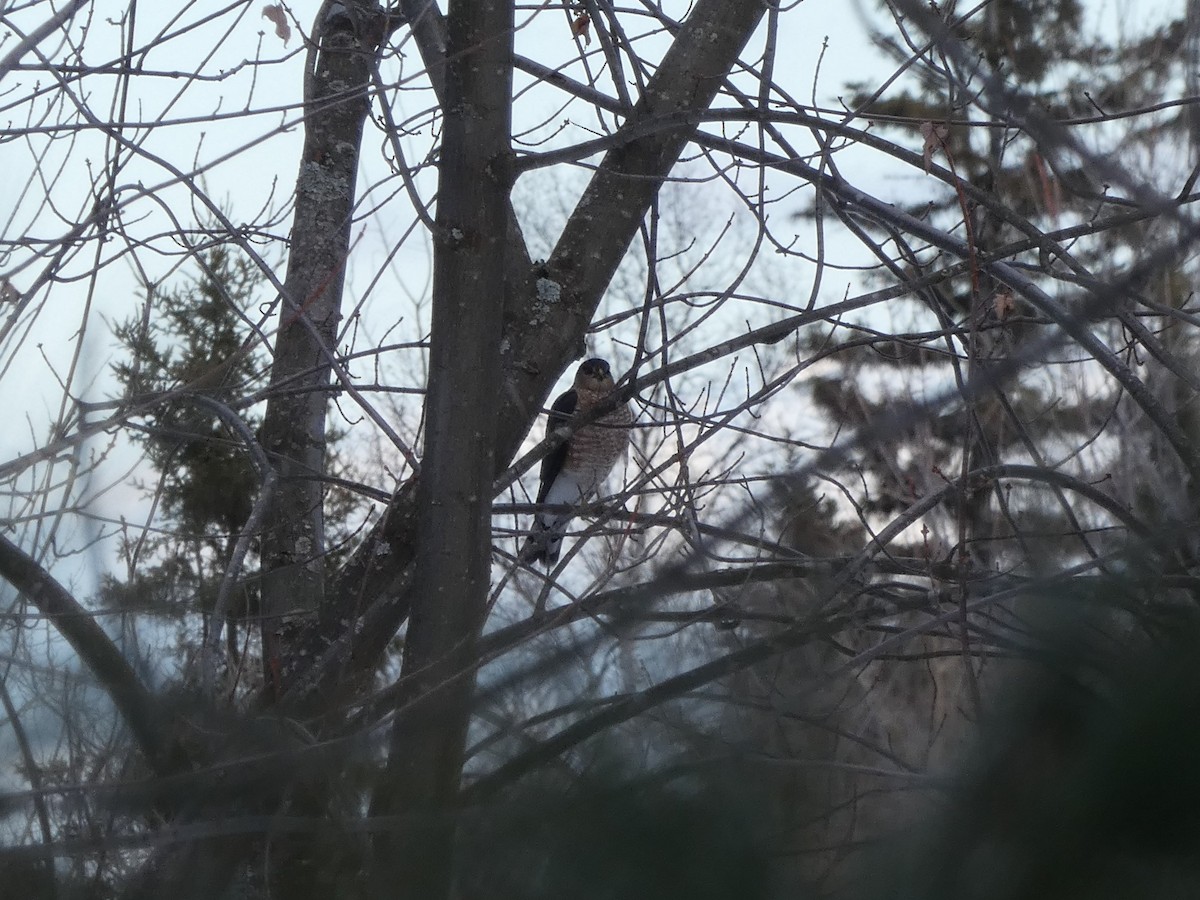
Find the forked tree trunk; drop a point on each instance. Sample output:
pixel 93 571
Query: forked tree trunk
pixel 541 337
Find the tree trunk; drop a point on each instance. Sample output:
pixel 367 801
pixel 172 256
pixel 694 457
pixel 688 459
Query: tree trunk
pixel 337 100
pixel 453 537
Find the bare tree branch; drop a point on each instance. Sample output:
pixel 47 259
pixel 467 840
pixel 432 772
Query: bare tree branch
pixel 97 650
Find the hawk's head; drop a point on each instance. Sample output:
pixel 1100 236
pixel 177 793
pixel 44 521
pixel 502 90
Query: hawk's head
pixel 594 377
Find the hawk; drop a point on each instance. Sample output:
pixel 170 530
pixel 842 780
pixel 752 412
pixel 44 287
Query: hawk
pixel 573 471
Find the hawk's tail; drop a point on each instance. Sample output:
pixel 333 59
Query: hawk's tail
pixel 544 542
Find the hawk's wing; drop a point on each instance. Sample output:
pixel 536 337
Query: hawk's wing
pixel 552 463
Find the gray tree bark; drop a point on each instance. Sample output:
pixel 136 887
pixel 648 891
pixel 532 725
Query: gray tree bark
pixel 337 101
pixel 453 537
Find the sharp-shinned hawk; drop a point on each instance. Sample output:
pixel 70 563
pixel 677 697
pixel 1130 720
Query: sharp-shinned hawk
pixel 574 470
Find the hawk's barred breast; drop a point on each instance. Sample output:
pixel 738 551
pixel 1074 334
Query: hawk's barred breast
pixel 573 473
pixel 601 444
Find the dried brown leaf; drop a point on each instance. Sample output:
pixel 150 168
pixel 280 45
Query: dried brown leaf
pixel 580 26
pixel 278 18
pixel 935 139
pixel 1004 304
pixel 1048 186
